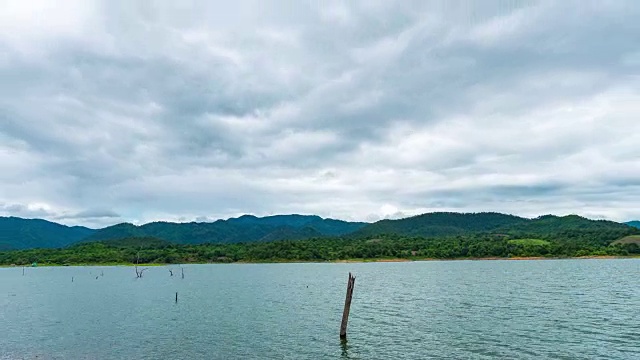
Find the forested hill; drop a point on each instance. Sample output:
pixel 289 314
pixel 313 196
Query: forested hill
pixel 548 224
pixel 18 233
pixel 323 226
pixel 440 224
pixel 249 228
pixel 451 224
pixel 246 228
pixel 635 224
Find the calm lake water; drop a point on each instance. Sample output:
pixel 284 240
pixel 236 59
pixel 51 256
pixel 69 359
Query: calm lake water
pixel 556 309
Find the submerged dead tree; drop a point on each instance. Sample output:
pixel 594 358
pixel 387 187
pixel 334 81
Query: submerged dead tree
pixel 347 306
pixel 138 272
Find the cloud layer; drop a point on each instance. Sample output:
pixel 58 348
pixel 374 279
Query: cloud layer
pixel 119 111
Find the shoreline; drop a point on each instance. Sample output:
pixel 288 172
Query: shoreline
pixel 342 261
pixel 516 258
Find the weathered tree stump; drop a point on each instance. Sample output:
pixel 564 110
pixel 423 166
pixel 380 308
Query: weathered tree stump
pixel 138 273
pixel 347 306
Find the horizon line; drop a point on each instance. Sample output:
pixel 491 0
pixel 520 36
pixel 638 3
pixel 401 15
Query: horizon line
pixel 55 221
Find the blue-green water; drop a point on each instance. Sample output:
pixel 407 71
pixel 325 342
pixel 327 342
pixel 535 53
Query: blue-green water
pixel 557 309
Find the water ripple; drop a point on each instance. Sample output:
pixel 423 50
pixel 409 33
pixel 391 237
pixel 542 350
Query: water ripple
pixel 565 309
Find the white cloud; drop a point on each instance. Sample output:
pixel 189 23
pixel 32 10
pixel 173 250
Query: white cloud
pixel 363 110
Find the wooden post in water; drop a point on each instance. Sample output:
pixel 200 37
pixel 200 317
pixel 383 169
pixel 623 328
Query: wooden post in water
pixel 347 305
pixel 176 297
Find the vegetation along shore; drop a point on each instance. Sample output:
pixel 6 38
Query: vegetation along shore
pixel 431 236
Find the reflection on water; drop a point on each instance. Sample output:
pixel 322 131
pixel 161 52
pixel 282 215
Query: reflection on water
pixel 344 346
pixel 572 309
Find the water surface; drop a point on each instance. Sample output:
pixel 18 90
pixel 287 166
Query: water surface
pixel 556 309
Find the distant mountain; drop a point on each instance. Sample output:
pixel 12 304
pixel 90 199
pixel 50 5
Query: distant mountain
pixel 452 224
pixel 247 228
pixel 556 224
pixel 119 231
pixel 293 220
pixel 290 233
pixel 18 233
pixel 441 224
pixel 634 223
pixel 322 226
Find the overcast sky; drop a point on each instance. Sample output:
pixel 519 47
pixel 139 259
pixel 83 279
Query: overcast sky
pixel 139 111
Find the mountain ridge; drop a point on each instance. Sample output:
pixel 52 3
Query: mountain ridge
pixel 438 224
pixel 246 228
pixel 18 233
pixel 634 223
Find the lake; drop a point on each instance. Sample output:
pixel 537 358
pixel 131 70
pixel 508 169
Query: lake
pixel 554 309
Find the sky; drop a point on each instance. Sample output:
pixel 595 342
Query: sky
pixel 122 111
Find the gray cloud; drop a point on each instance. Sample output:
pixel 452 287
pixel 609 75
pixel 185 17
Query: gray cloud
pixel 90 214
pixel 27 211
pixel 178 113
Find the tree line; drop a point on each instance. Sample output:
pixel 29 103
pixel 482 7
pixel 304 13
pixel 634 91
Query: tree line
pixel 149 250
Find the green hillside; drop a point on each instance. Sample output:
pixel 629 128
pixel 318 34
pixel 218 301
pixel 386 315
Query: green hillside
pixel 529 242
pixel 453 224
pixel 631 239
pixel 150 250
pixel 572 231
pixel 635 224
pixel 246 228
pixel 554 224
pixel 133 242
pixel 441 224
pixel 18 233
